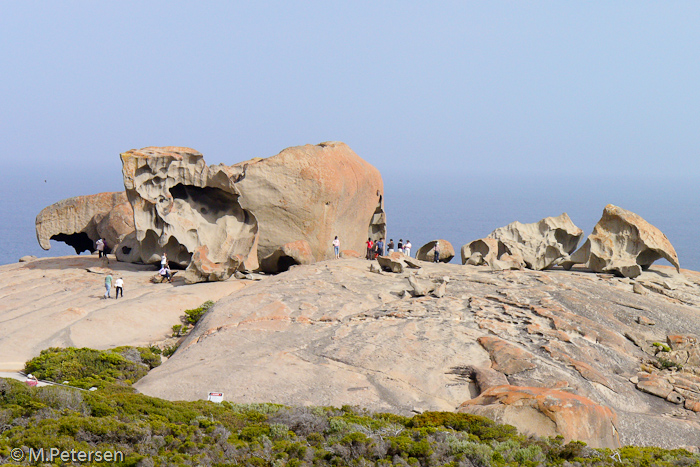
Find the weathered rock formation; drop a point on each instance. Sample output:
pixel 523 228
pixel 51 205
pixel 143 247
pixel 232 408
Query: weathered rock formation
pixel 81 220
pixel 548 412
pixel 624 243
pixel 537 246
pixel 269 213
pixel 427 251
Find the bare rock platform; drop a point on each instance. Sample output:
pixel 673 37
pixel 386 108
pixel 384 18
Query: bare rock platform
pixel 57 302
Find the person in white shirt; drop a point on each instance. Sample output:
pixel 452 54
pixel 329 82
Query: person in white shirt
pixel 119 285
pixel 407 248
pixel 164 261
pixel 165 272
pixel 336 247
pixel 100 246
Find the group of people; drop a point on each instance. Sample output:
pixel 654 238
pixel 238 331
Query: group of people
pixel 118 285
pixel 378 248
pixel 401 247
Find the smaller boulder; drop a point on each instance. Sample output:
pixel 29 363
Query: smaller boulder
pixel 440 290
pixel 27 258
pixel 421 288
pixel 390 264
pixel 427 251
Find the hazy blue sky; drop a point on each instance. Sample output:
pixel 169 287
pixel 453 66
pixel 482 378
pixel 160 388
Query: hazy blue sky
pixel 514 87
pixel 461 90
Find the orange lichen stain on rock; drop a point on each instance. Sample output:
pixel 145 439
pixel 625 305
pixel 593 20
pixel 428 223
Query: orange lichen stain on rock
pixel 69 314
pixel 575 417
pixel 506 357
pixel 275 311
pixel 547 332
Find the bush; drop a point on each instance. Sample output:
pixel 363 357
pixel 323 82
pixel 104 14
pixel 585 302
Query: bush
pixel 86 368
pixel 151 431
pixel 192 316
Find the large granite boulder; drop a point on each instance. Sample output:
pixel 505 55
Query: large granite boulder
pixel 548 412
pixel 427 251
pixel 253 214
pixel 81 220
pixel 623 243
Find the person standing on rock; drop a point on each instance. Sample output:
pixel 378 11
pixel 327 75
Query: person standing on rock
pixel 370 244
pixel 99 246
pixel 336 247
pixel 108 285
pixel 400 245
pixel 119 285
pixel 407 248
pixel 390 245
pixel 380 247
pixel 164 261
pixel 437 252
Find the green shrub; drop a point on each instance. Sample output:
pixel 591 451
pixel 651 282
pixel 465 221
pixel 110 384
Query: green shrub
pixel 481 427
pixel 88 367
pixel 479 454
pixel 192 316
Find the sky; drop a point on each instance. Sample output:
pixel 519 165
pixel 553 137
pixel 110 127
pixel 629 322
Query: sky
pixel 429 93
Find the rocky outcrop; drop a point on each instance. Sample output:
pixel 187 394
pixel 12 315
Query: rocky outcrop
pixel 537 246
pixel 548 412
pixel 427 251
pixel 81 220
pixel 269 213
pixel 624 243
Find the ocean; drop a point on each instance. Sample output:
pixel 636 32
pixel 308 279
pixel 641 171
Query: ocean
pixel 420 208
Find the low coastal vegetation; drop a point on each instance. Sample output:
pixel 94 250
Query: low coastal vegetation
pixel 150 431
pixel 86 368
